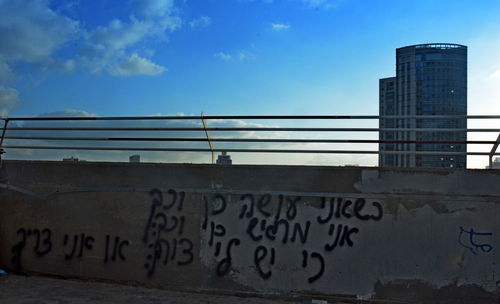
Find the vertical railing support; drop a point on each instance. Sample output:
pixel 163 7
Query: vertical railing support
pixel 493 151
pixel 208 138
pixel 2 151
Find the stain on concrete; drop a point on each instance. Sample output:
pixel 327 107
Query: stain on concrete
pixel 416 291
pixel 392 205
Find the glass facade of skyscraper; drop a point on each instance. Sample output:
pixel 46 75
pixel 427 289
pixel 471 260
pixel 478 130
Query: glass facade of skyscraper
pixel 387 94
pixel 431 79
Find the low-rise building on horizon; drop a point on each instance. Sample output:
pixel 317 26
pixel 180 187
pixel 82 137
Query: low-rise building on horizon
pixel 224 159
pixel 136 158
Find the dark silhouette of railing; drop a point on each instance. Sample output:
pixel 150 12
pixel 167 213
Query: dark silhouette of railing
pixel 24 124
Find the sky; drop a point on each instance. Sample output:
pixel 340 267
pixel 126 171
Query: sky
pixel 229 57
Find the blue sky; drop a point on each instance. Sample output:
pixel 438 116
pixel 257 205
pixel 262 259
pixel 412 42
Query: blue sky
pixel 145 57
pixel 230 57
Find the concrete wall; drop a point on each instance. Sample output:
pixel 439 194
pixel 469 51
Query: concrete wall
pixel 349 234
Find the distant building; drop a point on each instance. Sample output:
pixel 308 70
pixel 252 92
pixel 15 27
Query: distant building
pixel 431 79
pixel 495 164
pixel 224 159
pixel 136 158
pixel 388 106
pixel 71 159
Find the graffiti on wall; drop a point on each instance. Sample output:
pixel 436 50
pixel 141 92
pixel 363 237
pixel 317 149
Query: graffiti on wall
pixel 476 242
pixel 42 242
pixel 265 226
pixel 164 231
pixel 272 225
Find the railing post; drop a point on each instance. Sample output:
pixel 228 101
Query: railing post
pixel 2 151
pixel 208 137
pixel 493 151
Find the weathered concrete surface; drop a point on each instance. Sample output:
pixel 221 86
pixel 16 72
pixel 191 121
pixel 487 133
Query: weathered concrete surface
pixel 35 290
pixel 348 234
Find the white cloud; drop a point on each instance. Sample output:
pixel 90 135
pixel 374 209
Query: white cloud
pixel 68 65
pixel 57 65
pixel 33 33
pixel 68 113
pixel 106 47
pixel 118 35
pixel 8 99
pixel 320 3
pixel 264 1
pixel 325 4
pixel 6 72
pixel 224 56
pixel 30 31
pixel 136 65
pixel 149 52
pixel 244 56
pixel 202 22
pixel 278 27
pixel 495 74
pixel 69 6
pixel 240 56
pixel 153 8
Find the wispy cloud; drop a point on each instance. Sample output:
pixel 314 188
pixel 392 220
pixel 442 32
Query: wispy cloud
pixel 68 113
pixel 238 56
pixel 26 24
pixel 106 47
pixel 30 32
pixel 9 98
pixel 202 22
pixel 148 9
pixel 224 56
pixel 278 27
pixel 6 72
pixel 495 74
pixel 327 4
pixel 34 32
pixel 136 65
pixel 245 56
pixel 314 4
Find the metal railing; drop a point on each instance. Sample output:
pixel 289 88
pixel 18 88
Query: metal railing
pixel 28 129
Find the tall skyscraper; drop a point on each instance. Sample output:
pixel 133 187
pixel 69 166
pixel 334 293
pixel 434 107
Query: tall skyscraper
pixel 431 79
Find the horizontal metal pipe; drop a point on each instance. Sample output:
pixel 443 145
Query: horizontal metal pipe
pixel 277 129
pixel 263 140
pixel 219 117
pixel 248 150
